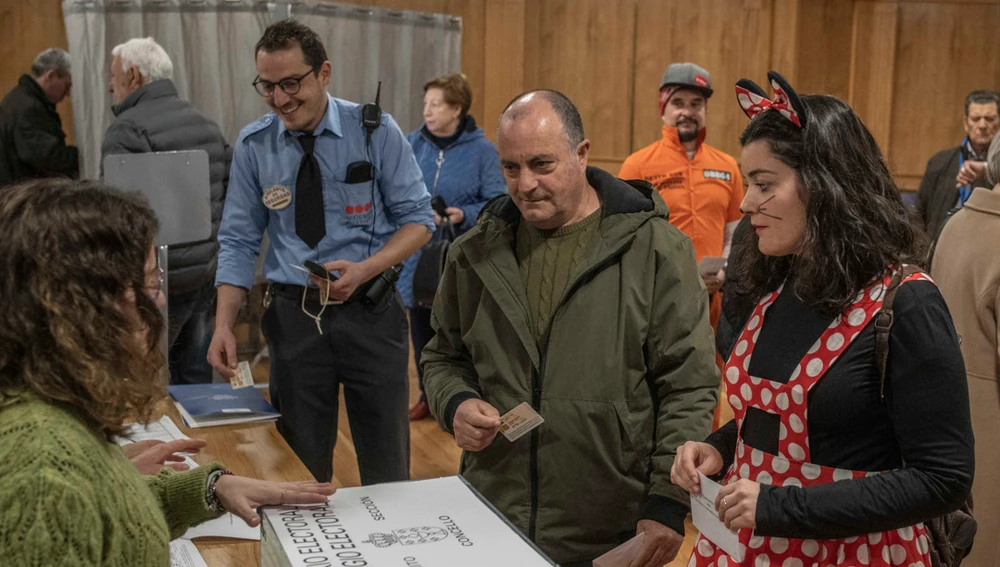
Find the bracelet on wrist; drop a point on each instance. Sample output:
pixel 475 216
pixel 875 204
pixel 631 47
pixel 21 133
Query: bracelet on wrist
pixel 210 497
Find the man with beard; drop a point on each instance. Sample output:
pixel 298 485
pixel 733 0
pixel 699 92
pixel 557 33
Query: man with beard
pixel 701 185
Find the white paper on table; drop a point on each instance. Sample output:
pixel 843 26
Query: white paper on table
pixel 183 553
pixel 706 519
pixel 162 430
pixel 226 525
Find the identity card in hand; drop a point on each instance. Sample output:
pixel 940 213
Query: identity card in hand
pixel 243 376
pixel 518 421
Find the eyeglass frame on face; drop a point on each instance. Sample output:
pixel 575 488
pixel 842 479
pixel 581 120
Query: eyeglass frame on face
pixel 259 84
pixel 154 293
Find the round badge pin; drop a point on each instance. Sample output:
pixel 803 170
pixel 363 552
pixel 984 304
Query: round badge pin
pixel 277 197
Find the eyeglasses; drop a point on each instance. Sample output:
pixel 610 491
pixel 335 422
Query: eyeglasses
pixel 154 290
pixel 288 85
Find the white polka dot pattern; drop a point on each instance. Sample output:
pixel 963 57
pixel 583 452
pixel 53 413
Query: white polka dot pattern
pixel 765 396
pixel 864 557
pixel 811 471
pixel 791 467
pixel 835 341
pixel 797 452
pixel 734 401
pixel 814 368
pixel 779 545
pixel 810 548
pixel 782 401
pixel 732 375
pixel 857 317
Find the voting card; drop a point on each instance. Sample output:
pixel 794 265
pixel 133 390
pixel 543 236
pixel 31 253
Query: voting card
pixel 518 421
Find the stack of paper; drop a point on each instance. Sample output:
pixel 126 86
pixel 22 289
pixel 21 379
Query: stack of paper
pixel 163 430
pixel 205 405
pixel 183 553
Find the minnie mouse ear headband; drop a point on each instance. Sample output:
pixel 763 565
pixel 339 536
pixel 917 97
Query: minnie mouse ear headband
pixel 753 99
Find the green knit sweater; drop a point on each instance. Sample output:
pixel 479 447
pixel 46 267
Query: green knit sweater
pixel 549 260
pixel 69 497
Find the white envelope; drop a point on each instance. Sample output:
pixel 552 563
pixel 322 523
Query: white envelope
pixel 706 519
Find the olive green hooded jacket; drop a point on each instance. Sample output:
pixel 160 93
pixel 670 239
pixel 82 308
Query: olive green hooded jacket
pixel 625 374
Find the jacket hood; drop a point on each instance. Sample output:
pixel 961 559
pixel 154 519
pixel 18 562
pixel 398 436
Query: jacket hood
pixel 625 205
pixel 469 132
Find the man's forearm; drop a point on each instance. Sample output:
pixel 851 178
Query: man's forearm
pixel 407 240
pixel 230 298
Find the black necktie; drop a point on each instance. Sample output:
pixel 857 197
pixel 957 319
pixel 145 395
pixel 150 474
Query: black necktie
pixel 310 222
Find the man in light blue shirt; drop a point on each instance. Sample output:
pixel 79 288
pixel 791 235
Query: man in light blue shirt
pixel 329 191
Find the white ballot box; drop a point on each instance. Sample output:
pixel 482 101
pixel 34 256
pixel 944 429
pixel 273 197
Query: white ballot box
pixel 440 522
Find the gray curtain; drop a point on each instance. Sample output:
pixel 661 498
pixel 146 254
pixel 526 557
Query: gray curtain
pixel 211 43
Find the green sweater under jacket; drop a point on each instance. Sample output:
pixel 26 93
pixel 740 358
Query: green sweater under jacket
pixel 70 497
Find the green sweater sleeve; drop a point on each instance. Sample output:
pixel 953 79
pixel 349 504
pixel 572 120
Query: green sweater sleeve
pixel 48 520
pixel 182 497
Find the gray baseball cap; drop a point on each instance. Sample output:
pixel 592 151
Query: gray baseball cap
pixel 688 75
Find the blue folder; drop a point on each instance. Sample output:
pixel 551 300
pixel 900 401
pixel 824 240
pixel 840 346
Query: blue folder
pixel 203 405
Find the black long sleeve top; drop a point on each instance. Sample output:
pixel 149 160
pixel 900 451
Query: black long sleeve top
pixel 920 433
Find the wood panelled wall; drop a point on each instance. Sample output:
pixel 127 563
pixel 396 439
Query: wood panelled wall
pixel 905 65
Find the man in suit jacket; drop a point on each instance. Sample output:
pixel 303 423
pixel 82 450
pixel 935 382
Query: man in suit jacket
pixel 940 191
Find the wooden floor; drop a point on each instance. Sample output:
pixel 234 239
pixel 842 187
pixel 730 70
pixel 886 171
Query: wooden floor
pixel 433 452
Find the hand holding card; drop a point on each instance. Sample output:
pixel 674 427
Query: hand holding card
pixel 243 376
pixel 519 421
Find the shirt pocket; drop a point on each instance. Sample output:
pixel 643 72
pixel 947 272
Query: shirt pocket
pixel 352 204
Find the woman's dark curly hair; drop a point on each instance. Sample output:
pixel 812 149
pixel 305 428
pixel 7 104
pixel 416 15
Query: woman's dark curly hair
pixel 856 223
pixel 72 257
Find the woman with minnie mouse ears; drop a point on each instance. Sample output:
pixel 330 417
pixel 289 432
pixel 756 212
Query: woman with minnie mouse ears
pixel 846 438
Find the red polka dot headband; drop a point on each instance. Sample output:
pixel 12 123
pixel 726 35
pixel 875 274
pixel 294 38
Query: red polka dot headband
pixel 753 99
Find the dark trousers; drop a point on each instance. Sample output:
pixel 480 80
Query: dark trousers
pixel 420 334
pixel 189 334
pixel 362 347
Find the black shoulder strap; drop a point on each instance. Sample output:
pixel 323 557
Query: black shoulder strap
pixel 883 322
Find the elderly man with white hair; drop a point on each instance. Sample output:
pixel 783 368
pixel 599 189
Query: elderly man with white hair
pixel 150 117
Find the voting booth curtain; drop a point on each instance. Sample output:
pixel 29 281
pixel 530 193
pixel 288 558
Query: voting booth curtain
pixel 211 44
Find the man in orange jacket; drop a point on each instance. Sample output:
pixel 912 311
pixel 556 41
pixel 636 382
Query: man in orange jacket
pixel 700 184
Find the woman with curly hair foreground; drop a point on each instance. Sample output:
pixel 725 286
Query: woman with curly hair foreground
pixel 79 288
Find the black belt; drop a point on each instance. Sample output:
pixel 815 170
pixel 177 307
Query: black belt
pixel 291 291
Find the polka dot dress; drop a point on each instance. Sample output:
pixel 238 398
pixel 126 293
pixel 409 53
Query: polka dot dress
pixel 791 467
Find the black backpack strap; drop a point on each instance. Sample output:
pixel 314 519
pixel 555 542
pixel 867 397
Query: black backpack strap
pixel 884 320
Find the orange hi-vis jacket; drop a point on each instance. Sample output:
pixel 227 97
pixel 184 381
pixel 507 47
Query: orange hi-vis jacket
pixel 703 193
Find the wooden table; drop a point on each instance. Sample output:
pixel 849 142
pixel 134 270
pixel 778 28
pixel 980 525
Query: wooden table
pixel 250 449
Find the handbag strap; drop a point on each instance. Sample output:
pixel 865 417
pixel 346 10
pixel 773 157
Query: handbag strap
pixel 884 320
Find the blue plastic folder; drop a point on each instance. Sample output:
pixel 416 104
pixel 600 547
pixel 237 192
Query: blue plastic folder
pixel 205 405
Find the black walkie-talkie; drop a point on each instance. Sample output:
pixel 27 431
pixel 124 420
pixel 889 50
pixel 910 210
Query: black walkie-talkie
pixel 371 113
